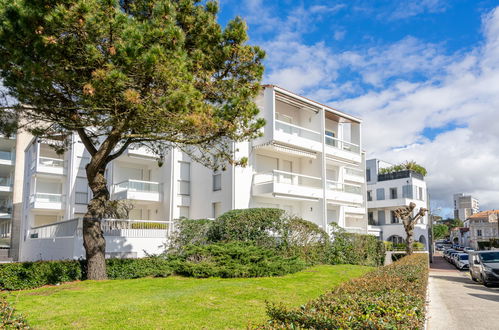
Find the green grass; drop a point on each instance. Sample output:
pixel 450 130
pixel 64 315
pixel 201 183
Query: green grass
pixel 173 302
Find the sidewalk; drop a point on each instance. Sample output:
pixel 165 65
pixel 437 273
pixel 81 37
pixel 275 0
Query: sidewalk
pixel 456 302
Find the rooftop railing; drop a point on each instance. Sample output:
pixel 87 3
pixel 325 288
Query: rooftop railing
pixel 400 175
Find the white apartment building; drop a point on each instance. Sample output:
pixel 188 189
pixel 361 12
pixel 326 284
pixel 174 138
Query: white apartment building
pixel 7 163
pixel 387 192
pixel 483 226
pixel 308 162
pixel 465 206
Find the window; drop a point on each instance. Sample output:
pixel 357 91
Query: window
pixel 479 232
pixel 370 218
pixel 217 209
pixel 183 212
pixel 394 217
pixel 185 179
pixel 81 191
pixel 381 217
pixel 380 194
pixel 330 138
pixel 368 174
pixel 217 181
pixel 369 195
pixel 420 195
pixel 407 191
pixel 393 193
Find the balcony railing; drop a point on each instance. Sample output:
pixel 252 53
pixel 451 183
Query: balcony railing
pixel 47 198
pixel 5 182
pixel 344 187
pixel 297 130
pixel 137 185
pixel 342 145
pixel 354 172
pixel 5 155
pixel 51 162
pixel 277 176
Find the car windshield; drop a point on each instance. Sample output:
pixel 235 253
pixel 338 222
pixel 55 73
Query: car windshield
pixel 463 257
pixel 490 257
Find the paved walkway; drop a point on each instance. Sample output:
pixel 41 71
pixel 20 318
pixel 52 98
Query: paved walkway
pixel 456 302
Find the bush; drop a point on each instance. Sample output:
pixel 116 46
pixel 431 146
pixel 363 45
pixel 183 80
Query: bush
pixel 136 268
pixel 27 275
pixel 262 226
pixel 234 259
pixel 357 249
pixel 391 297
pixel 9 319
pixel 188 232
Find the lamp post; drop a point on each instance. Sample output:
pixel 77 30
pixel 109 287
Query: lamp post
pixel 430 234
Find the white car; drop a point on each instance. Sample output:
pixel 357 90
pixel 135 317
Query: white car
pixel 462 261
pixel 468 249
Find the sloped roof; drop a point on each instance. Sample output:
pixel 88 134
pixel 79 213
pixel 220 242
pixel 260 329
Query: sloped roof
pixel 484 214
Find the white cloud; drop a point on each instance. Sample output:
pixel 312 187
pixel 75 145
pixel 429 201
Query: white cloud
pixel 408 8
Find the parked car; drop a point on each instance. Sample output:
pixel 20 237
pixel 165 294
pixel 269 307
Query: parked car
pixel 447 253
pixel 453 257
pixel 462 261
pixel 468 249
pixel 484 267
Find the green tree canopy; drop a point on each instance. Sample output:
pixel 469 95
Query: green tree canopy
pixel 408 165
pixel 128 72
pixel 440 231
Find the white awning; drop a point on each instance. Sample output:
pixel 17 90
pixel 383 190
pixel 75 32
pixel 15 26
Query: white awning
pixel 272 146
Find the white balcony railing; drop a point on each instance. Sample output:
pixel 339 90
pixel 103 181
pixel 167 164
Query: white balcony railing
pixel 342 145
pixel 297 130
pixel 282 177
pixel 5 155
pixel 137 185
pixel 344 187
pixel 354 172
pixel 47 198
pixel 51 162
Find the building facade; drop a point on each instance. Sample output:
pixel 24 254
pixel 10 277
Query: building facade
pixel 483 227
pixel 308 162
pixel 465 206
pixel 387 192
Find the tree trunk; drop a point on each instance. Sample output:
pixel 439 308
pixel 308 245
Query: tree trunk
pixel 409 230
pixel 93 236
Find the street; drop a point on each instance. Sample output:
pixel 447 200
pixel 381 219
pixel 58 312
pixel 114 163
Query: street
pixel 456 302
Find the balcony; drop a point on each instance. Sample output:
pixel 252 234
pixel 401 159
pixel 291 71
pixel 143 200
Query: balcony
pixel 5 211
pixel 343 149
pixel 50 165
pixel 6 158
pixel 286 184
pixel 5 184
pixel 344 192
pixel 138 190
pixel 353 174
pixel 47 201
pixel 141 152
pixel 298 136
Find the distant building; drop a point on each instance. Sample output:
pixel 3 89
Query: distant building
pixel 482 226
pixel 387 192
pixel 465 206
pixel 460 235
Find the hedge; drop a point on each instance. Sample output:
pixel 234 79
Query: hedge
pixel 234 259
pixel 391 297
pixel 9 319
pixel 28 275
pixel 357 249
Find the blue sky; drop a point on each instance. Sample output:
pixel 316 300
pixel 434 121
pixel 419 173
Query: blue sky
pixel 424 76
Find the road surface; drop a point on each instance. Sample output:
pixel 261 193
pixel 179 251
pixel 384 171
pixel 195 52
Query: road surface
pixel 456 302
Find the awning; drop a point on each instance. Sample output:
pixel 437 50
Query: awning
pixel 272 146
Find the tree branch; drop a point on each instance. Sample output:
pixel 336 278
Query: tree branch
pixel 86 141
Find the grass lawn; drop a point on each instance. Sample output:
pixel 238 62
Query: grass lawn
pixel 173 302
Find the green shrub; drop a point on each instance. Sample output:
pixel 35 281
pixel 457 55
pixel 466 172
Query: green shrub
pixel 9 319
pixel 188 232
pixel 391 297
pixel 233 259
pixel 357 249
pixel 136 268
pixel 416 246
pixel 149 225
pixel 262 226
pixel 27 275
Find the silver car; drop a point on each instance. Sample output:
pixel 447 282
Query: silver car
pixel 484 267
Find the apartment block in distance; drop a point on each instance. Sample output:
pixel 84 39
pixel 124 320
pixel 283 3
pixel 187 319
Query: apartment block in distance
pixel 387 192
pixel 465 206
pixel 308 162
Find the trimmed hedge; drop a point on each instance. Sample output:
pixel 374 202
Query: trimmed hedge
pixel 28 275
pixel 391 297
pixel 234 259
pixel 357 249
pixel 9 319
